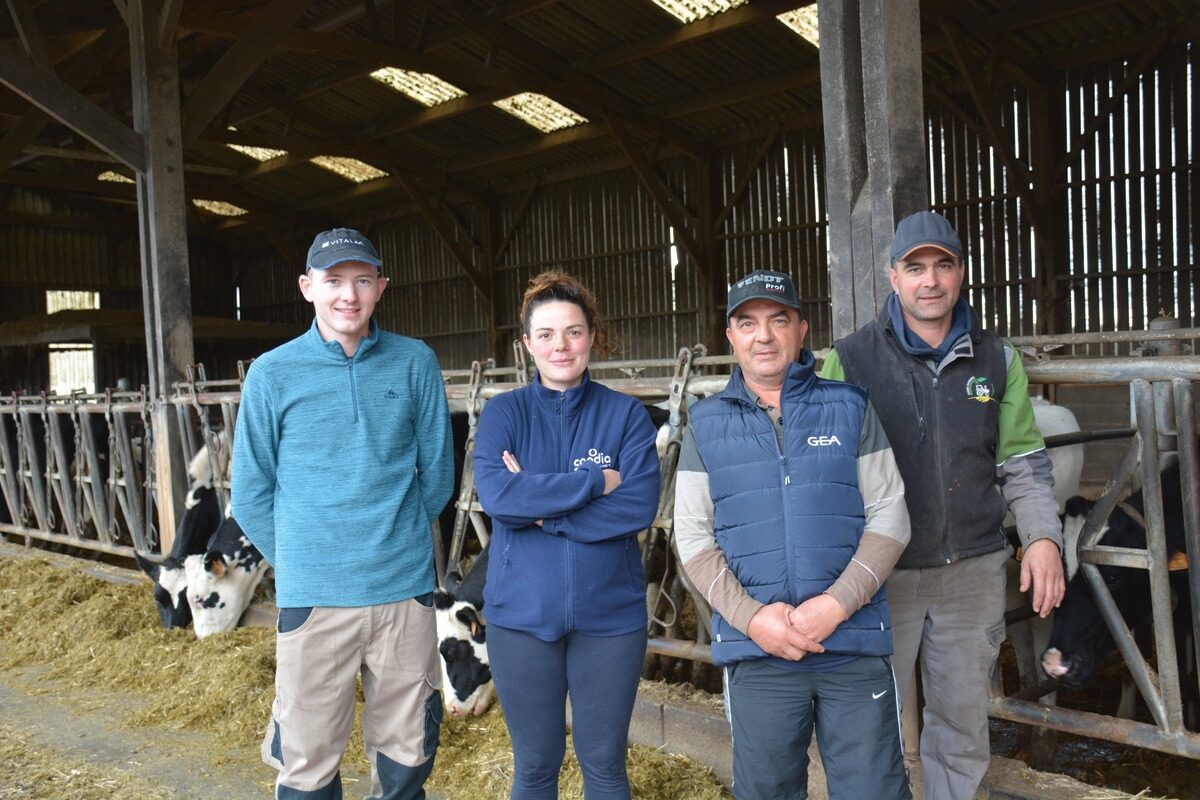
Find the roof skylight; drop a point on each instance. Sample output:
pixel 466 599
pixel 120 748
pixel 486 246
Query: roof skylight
pixel 804 22
pixel 257 153
pixel 220 208
pixel 540 111
pixel 113 177
pixel 692 10
pixel 349 168
pixel 428 90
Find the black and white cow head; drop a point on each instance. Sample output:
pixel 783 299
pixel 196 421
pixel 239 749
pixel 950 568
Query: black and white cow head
pixel 220 583
pixel 462 643
pixel 201 518
pixel 1081 640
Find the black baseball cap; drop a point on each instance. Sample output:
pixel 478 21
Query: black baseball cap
pixel 341 244
pixel 762 284
pixel 925 229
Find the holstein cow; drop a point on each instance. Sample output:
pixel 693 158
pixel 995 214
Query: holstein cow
pixel 462 642
pixel 221 581
pixel 1080 640
pixel 211 574
pixel 1030 637
pixel 200 520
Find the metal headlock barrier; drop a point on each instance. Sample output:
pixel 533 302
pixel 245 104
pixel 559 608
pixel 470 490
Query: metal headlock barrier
pixel 75 470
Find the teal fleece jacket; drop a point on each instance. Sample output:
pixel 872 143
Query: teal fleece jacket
pixel 340 465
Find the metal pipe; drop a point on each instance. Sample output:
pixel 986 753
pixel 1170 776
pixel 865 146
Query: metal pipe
pixel 1115 370
pixel 1103 337
pixel 1096 726
pixel 1189 480
pixel 677 648
pixel 60 538
pixel 1081 437
pixel 1156 548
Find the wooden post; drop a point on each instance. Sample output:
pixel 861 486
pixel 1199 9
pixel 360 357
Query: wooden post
pixel 874 120
pixel 713 285
pixel 162 215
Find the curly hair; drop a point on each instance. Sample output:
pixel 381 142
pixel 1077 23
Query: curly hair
pixel 557 286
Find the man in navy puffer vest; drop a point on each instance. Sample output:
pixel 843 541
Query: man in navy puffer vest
pixel 789 516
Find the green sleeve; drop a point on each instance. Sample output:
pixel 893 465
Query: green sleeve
pixel 832 368
pixel 1017 434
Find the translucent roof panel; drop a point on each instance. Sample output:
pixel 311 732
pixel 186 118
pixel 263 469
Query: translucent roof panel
pixel 804 22
pixel 540 111
pixel 113 177
pixel 692 10
pixel 257 153
pixel 349 168
pixel 428 90
pixel 220 207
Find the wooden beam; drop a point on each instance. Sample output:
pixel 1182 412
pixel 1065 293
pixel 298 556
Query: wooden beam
pixel 84 69
pixel 446 234
pixel 30 33
pixel 451 108
pixel 1131 45
pixel 572 85
pixel 162 225
pixel 104 158
pixel 1114 100
pixel 505 13
pixel 371 55
pixel 743 182
pixel 662 197
pixel 1013 58
pixel 740 92
pixel 360 146
pixel 58 99
pixel 1019 172
pixel 518 218
pixel 753 13
pixel 527 147
pixel 68 183
pixel 1040 12
pixel 68 223
pixel 239 62
pixel 168 21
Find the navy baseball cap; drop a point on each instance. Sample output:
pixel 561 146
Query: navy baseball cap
pixel 762 284
pixel 925 229
pixel 341 244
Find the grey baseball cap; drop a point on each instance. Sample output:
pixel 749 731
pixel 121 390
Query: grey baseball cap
pixel 341 244
pixel 925 229
pixel 762 284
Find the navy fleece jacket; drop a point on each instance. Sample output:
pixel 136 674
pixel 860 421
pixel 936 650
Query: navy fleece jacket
pixel 580 569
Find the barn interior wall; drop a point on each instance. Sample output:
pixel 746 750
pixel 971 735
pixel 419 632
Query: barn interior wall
pixel 1129 214
pixel 607 232
pixel 1129 254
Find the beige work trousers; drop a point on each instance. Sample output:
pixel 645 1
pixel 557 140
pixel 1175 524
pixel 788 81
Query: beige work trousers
pixel 318 659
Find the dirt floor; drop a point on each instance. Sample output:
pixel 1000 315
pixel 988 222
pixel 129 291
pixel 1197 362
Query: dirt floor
pixel 97 701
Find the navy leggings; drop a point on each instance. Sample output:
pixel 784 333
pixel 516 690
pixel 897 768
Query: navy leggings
pixel 533 679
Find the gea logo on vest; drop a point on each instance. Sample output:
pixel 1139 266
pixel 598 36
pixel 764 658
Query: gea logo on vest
pixel 824 441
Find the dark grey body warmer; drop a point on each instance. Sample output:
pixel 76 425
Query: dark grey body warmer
pixel 943 429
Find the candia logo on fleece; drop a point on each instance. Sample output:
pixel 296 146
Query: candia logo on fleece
pixel 596 457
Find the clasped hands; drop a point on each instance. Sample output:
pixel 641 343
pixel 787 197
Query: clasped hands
pixel 792 632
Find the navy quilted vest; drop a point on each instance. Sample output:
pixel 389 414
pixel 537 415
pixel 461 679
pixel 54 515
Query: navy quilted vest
pixel 788 521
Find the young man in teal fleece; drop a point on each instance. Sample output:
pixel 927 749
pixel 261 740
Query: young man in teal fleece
pixel 341 461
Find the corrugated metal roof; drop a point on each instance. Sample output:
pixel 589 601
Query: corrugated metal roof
pixel 674 85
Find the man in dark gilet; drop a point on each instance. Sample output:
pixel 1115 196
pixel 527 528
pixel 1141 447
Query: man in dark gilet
pixel 954 401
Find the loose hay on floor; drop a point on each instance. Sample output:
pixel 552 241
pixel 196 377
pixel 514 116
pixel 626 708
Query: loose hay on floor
pixel 475 761
pixel 33 773
pixel 94 634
